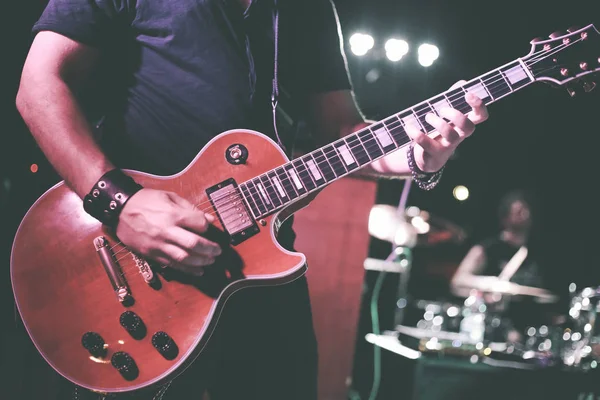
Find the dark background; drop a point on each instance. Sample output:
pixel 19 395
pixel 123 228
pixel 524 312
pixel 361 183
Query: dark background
pixel 539 138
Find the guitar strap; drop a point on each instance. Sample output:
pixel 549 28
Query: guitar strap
pixel 275 92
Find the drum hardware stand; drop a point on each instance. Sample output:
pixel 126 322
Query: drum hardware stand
pixel 397 261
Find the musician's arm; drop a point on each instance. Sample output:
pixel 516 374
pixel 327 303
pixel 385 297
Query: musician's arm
pixel 54 68
pixel 467 275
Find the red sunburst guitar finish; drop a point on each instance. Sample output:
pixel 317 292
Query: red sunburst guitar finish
pixel 63 291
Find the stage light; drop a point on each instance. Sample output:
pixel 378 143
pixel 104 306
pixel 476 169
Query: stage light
pixel 361 43
pixel 461 193
pixel 395 49
pixel 428 53
pixel 33 168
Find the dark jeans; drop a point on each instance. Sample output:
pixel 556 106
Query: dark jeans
pixel 263 348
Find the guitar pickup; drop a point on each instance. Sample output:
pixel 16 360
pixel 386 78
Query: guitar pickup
pixel 113 270
pixel 232 211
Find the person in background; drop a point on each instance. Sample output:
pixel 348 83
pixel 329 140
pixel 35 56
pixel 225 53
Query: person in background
pixel 504 269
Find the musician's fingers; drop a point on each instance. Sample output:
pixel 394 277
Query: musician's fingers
pixel 449 136
pixel 479 112
pixel 461 123
pixel 192 243
pixel 428 144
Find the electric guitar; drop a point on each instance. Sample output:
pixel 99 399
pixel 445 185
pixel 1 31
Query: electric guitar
pixel 108 321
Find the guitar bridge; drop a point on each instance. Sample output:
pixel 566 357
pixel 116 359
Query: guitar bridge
pixel 113 270
pixel 232 211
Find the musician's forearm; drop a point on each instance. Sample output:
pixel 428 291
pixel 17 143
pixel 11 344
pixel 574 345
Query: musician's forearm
pixel 55 120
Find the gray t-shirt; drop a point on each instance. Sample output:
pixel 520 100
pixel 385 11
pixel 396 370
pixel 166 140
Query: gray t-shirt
pixel 179 72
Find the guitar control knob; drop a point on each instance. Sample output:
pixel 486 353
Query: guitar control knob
pixel 93 343
pixel 133 324
pixel 165 345
pixel 125 364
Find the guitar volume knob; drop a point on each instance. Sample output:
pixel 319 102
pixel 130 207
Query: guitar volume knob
pixel 94 343
pixel 133 324
pixel 165 345
pixel 125 364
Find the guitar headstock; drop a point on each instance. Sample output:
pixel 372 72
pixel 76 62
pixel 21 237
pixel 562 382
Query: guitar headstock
pixel 566 59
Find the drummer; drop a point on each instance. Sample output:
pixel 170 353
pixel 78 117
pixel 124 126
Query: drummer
pixel 504 257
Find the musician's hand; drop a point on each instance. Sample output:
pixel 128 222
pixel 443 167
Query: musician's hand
pixel 431 154
pixel 167 228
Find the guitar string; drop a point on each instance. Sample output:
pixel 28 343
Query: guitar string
pixel 369 145
pixel 319 158
pixel 337 161
pixel 334 161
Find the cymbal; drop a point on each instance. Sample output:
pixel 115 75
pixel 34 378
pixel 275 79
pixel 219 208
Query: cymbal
pixel 413 227
pixel 514 289
pixel 433 229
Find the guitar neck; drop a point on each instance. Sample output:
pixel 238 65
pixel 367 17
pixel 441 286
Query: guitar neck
pixel 288 183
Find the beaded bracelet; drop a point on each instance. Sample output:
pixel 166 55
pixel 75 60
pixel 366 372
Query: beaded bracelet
pixel 108 196
pixel 424 180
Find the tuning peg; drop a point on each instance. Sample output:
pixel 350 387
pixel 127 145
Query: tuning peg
pixel 554 35
pixel 537 39
pixel 573 29
pixel 570 90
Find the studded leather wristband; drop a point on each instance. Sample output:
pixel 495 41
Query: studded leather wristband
pixel 108 196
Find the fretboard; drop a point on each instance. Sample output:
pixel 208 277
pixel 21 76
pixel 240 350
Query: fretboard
pixel 279 187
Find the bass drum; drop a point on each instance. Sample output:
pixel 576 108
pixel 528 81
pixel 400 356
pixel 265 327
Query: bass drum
pixel 581 337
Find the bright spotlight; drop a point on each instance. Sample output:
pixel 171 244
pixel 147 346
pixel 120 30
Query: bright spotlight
pixel 361 43
pixel 428 53
pixel 425 62
pixel 395 49
pixel 461 193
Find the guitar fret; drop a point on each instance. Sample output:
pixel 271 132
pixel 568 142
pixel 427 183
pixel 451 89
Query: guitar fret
pixel 409 118
pixel 323 165
pixel 383 137
pixel 346 154
pixel 457 99
pixel 358 149
pixel 300 187
pixel 516 76
pixel 291 191
pixel 256 196
pixel 370 144
pixel 302 170
pixel 270 190
pixel 497 84
pixel 277 184
pixel 421 111
pixel 396 128
pixel 249 200
pixel 335 161
pixel 440 102
pixel 268 203
pixel 480 90
pixel 314 171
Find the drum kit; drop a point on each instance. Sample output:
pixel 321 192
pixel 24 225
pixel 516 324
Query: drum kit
pixel 477 325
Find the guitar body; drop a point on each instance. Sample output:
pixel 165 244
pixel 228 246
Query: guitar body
pixel 63 291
